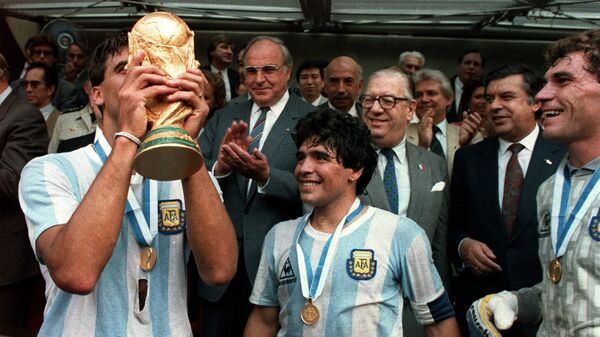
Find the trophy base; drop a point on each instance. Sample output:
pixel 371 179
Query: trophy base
pixel 168 153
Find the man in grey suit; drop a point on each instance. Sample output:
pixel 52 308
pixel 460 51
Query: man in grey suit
pixel 419 176
pixel 251 152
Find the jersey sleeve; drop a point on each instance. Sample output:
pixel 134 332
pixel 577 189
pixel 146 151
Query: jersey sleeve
pixel 421 282
pixel 47 197
pixel 264 292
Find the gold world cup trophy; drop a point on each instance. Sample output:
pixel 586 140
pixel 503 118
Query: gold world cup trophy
pixel 167 151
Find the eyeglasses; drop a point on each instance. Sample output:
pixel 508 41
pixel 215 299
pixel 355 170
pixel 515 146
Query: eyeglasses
pixel 34 84
pixel 40 52
pixel 385 101
pixel 267 70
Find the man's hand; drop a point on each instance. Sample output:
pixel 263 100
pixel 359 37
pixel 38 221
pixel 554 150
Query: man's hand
pixel 190 88
pixel 69 72
pixel 236 134
pixel 469 127
pixel 478 257
pixel 503 307
pixel 251 165
pixel 425 129
pixel 142 84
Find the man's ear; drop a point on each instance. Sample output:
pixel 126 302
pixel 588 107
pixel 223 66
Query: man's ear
pixel 356 173
pixel 96 97
pixel 52 89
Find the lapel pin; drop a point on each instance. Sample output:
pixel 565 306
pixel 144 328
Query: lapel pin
pixel 421 167
pixel 287 130
pixel 548 161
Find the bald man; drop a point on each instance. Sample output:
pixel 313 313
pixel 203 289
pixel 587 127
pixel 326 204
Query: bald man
pixel 343 83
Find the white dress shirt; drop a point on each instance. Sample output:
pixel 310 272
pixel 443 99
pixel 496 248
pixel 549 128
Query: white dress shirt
pixel 458 88
pixel 442 136
pixel 523 157
pixel 47 111
pixel 402 178
pixel 352 110
pixel 320 100
pixel 5 94
pixel 272 115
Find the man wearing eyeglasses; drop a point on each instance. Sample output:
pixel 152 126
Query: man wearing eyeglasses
pixel 40 84
pixel 409 181
pixel 249 149
pixel 343 83
pixel 42 49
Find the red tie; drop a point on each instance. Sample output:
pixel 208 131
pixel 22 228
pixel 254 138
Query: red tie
pixel 513 183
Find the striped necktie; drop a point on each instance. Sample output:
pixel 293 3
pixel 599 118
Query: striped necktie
pixel 389 180
pixel 258 129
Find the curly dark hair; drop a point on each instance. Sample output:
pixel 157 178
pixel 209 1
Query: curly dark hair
pixel 343 134
pixel 587 42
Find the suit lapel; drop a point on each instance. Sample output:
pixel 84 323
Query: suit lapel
pixel 487 169
pixel 7 104
pixel 242 113
pixel 540 167
pixel 281 129
pixel 375 192
pixel 418 177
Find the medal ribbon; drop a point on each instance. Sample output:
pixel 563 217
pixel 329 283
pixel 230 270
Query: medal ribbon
pixel 312 285
pixel 143 222
pixel 562 231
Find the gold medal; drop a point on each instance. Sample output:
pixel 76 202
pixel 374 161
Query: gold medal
pixel 310 313
pixel 147 258
pixel 555 270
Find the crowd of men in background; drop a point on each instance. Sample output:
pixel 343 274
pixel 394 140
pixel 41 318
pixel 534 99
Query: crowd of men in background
pixel 462 157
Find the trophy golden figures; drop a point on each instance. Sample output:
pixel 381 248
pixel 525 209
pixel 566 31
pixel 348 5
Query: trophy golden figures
pixel 167 151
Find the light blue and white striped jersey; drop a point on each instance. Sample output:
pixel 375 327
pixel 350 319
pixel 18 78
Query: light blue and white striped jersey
pixel 50 190
pixel 570 307
pixel 380 259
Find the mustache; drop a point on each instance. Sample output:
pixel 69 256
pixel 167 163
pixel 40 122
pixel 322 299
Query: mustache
pixel 342 96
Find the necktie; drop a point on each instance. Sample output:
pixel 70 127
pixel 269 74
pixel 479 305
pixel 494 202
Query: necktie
pixel 389 180
pixel 258 129
pixel 435 146
pixel 513 183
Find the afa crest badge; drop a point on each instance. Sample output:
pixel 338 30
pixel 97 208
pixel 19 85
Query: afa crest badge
pixel 594 228
pixel 361 265
pixel 171 217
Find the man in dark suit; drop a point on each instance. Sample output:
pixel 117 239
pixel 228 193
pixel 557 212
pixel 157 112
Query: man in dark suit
pixel 23 136
pixel 250 150
pixel 469 66
pixel 42 49
pixel 420 176
pixel 220 56
pixel 343 83
pixel 493 218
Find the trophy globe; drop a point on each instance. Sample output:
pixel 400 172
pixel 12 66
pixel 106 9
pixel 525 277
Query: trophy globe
pixel 167 151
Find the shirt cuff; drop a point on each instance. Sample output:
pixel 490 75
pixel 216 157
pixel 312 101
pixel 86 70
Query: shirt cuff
pixel 212 170
pixel 262 189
